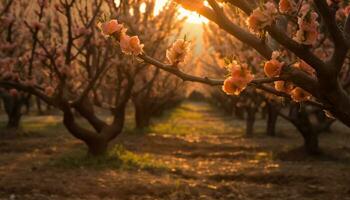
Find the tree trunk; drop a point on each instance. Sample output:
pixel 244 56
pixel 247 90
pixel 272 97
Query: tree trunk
pixel 311 143
pixel 14 118
pixel 250 122
pixel 303 124
pixel 143 113
pixel 310 139
pixel 97 144
pixel 264 112
pixel 38 105
pixel 13 108
pixel 48 107
pixel 27 104
pixel 97 147
pixel 142 119
pixel 271 119
pixel 239 112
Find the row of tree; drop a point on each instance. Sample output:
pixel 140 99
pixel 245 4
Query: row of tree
pixel 54 50
pixel 305 45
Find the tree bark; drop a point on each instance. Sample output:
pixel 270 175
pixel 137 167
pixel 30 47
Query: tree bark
pixel 271 119
pixel 250 121
pixel 14 118
pixel 302 122
pixel 38 105
pixel 311 144
pixel 97 147
pixel 142 118
pixel 13 107
pixel 239 112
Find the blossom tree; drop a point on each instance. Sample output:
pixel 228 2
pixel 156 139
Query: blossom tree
pixel 228 53
pixel 154 90
pixel 227 45
pixel 319 49
pixel 75 66
pixel 9 42
pixel 318 77
pixel 66 67
pixel 305 44
pixel 316 70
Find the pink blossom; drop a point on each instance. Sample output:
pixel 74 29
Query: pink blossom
pixel 111 27
pixel 178 51
pixel 273 67
pixel 262 17
pixel 287 6
pixel 308 26
pixel 131 45
pixel 283 86
pixel 240 77
pixel 300 95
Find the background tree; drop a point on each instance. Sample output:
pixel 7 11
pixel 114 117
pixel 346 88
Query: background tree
pixel 154 90
pixel 10 42
pixel 76 69
pixel 306 67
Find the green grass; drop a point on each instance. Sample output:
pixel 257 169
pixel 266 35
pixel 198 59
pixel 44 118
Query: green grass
pixel 185 111
pixel 117 158
pixel 39 127
pixel 43 128
pixel 191 118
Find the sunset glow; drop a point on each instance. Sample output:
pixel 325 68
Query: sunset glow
pixel 192 17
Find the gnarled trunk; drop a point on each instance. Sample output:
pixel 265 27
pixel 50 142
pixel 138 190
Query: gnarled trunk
pixel 97 144
pixel 97 147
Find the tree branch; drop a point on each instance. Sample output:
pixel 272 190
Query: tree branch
pixel 223 22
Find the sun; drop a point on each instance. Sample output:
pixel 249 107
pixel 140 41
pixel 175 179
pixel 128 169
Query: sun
pixel 192 17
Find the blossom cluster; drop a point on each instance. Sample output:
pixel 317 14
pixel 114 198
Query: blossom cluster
pixel 274 67
pixel 308 26
pixel 176 54
pixel 266 14
pixel 178 51
pixel 240 77
pixel 287 6
pixel 129 45
pixel 262 17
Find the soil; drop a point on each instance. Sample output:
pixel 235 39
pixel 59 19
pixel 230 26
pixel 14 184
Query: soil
pixel 198 165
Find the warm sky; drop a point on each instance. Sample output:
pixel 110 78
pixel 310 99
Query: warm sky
pixel 194 22
pixel 192 17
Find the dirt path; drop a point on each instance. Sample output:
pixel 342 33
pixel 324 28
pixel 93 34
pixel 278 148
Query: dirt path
pixel 203 156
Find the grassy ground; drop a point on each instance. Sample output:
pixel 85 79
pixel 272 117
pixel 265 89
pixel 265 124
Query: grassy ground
pixel 192 152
